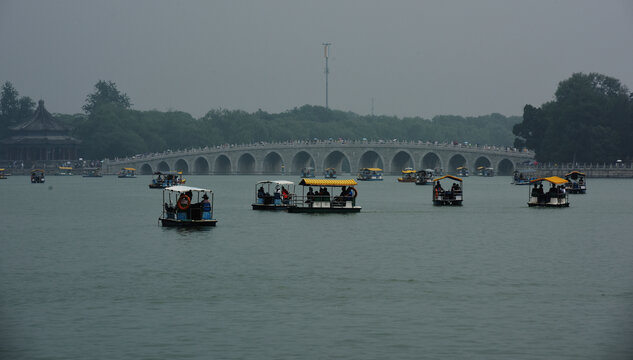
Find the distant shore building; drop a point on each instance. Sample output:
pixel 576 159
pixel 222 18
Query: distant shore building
pixel 41 138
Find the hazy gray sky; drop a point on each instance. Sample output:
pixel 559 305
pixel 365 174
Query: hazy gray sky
pixel 415 58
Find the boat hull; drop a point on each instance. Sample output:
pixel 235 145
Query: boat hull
pixel 270 207
pixel 187 223
pixel 321 210
pixel 447 202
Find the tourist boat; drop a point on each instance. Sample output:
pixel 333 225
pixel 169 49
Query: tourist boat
pixel 64 171
pixel 92 172
pixel 523 177
pixel 370 174
pixel 330 173
pixel 462 171
pixel 485 171
pixel 2 174
pixel 408 175
pixel 324 200
pixel 577 183
pixel 165 179
pixel 127 173
pixel 273 194
pixel 454 196
pixel 556 196
pixel 37 176
pixel 424 177
pixel 307 172
pixel 185 206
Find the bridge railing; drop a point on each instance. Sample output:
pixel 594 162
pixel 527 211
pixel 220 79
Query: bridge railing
pixel 326 143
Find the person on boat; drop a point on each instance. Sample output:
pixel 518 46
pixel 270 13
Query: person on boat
pixel 260 192
pixel 206 207
pixel 310 195
pixel 285 195
pixel 535 192
pixel 562 190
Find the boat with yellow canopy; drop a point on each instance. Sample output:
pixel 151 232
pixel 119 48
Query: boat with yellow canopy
pixel 408 175
pixel 37 176
pixel 556 196
pixel 577 183
pixel 127 173
pixel 64 171
pixel 445 196
pixel 370 174
pixel 323 199
pixel 462 171
pixel 2 174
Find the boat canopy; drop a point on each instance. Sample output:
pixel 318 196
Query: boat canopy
pixel 372 169
pixel 327 182
pixel 552 179
pixel 65 168
pixel 166 172
pixel 462 167
pixel 280 182
pixel 1 169
pixel 183 188
pixel 37 170
pixel 133 169
pixel 448 176
pixel 408 171
pixel 576 173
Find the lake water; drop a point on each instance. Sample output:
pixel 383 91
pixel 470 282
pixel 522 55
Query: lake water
pixel 87 273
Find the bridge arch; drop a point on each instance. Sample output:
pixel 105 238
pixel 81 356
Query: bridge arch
pixel 200 166
pixel 246 164
pixel 482 161
pixel 181 165
pixel 431 161
pixel 273 163
pixel 401 160
pixel 505 167
pixel 302 159
pixel 222 165
pixel 146 169
pixel 163 166
pixel 370 159
pixel 338 161
pixel 456 161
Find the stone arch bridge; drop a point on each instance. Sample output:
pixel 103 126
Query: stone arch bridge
pixel 344 156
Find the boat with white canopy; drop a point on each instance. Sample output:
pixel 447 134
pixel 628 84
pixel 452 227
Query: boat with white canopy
pixel 187 206
pixel 273 194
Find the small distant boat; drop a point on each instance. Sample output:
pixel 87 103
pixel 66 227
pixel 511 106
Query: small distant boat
pixel 127 173
pixel 307 172
pixel 37 176
pixel 370 174
pixel 485 171
pixel 577 183
pixel 424 177
pixel 273 195
pixel 64 171
pixel 523 177
pixel 556 196
pixel 163 179
pixel 408 175
pixel 330 173
pixel 452 197
pixel 323 200
pixel 462 171
pixel 2 174
pixel 185 206
pixel 92 172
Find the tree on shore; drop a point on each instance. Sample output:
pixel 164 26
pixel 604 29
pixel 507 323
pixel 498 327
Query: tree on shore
pixel 106 92
pixel 13 108
pixel 589 120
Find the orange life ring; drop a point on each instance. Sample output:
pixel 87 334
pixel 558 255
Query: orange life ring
pixel 184 202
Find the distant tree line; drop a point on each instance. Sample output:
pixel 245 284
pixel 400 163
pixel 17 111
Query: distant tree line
pixel 110 128
pixel 589 120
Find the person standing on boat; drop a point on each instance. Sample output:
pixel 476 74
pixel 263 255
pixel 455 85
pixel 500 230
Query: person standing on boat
pixel 206 207
pixel 260 192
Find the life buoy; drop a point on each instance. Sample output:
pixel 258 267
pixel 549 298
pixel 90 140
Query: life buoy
pixel 355 192
pixel 184 202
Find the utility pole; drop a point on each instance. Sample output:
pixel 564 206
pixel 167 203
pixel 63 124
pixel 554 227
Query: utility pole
pixel 327 71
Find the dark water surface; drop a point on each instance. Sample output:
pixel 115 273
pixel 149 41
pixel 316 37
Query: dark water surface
pixel 87 273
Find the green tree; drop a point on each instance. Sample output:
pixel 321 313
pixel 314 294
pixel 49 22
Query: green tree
pixel 13 108
pixel 106 92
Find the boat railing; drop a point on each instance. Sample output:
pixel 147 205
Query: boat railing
pixel 323 201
